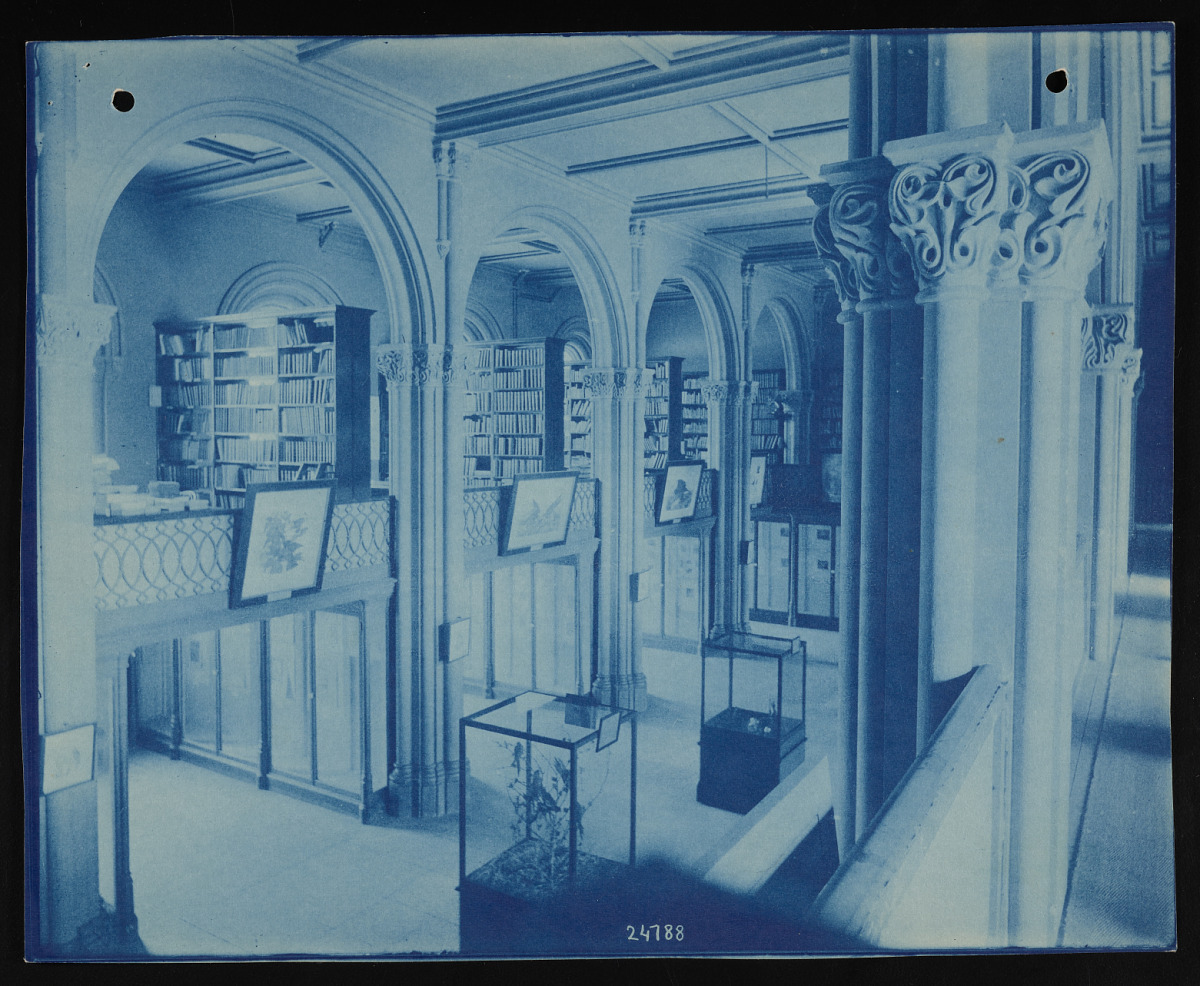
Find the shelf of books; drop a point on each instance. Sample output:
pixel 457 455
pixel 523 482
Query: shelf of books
pixel 695 417
pixel 664 412
pixel 258 399
pixel 827 412
pixel 766 428
pixel 515 411
pixel 577 420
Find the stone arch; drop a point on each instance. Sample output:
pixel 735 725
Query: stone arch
pixel 716 315
pixel 405 277
pixel 576 332
pixel 610 342
pixel 277 287
pixel 480 324
pixel 796 335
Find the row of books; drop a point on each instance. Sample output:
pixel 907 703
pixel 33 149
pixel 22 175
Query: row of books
pixel 239 477
pixel 658 426
pixel 501 356
pixel 766 442
pixel 184 344
pixel 245 366
pixel 315 391
pixel 657 461
pixel 580 407
pixel 320 360
pixel 764 426
pixel 478 445
pixel 243 419
pixel 307 450
pixel 260 336
pixel 519 424
pixel 188 477
pixel 247 449
pixel 187 370
pixel 518 379
pixel 187 395
pixel 244 393
pixel 658 405
pixel 186 448
pixel 180 422
pixel 519 445
pixel 307 420
pixel 517 400
pixel 695 428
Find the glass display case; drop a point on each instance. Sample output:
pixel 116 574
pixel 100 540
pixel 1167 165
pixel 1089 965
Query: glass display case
pixel 752 730
pixel 547 807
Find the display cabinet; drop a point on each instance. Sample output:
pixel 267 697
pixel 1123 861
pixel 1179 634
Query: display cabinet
pixel 547 807
pixel 752 723
pixel 795 579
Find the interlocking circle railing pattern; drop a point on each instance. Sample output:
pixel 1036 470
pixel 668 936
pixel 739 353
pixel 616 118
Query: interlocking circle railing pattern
pixel 359 536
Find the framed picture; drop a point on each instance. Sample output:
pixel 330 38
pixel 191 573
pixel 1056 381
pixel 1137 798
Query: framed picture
pixel 610 730
pixel 758 473
pixel 539 509
pixel 677 494
pixel 456 639
pixel 281 542
pixel 68 758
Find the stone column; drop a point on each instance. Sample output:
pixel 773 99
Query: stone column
pixel 890 484
pixel 1107 341
pixel 618 396
pixel 798 426
pixel 1131 381
pixel 69 333
pixel 946 204
pixel 729 452
pixel 420 379
pixel 1067 184
pixel 843 276
pixel 737 500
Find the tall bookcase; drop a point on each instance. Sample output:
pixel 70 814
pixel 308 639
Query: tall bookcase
pixel 577 420
pixel 515 410
pixel 827 413
pixel 664 412
pixel 766 428
pixel 264 398
pixel 695 417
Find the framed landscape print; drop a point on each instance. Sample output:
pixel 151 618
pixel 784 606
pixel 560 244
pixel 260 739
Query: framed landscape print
pixel 281 543
pixel 539 510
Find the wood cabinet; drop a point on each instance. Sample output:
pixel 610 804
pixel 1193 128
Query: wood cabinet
pixel 796 578
pixel 264 398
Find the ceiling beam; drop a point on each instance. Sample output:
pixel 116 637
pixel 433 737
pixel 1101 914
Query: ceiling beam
pixel 752 129
pixel 632 91
pixel 310 51
pixel 645 50
pixel 723 196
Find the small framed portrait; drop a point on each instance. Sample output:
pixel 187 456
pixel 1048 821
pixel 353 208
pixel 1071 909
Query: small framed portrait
pixel 539 511
pixel 756 478
pixel 677 494
pixel 281 543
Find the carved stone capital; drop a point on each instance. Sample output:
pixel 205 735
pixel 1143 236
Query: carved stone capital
pixel 1107 337
pixel 450 159
pixel 71 332
pixel 836 265
pixel 418 364
pixel 617 383
pixel 1068 219
pixel 727 393
pixel 859 223
pixel 948 216
pixel 1131 372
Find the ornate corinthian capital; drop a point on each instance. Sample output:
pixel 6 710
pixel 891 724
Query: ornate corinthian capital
pixel 1107 336
pixel 71 331
pixel 417 364
pixel 948 216
pixel 1068 220
pixel 727 393
pixel 840 271
pixel 617 383
pixel 1131 372
pixel 858 221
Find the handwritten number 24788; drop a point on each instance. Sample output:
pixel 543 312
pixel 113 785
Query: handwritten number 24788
pixel 656 932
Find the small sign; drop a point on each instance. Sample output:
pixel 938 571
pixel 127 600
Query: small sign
pixel 67 758
pixel 456 640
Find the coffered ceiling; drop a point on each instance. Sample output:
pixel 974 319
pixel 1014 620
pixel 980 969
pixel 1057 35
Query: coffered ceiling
pixel 720 134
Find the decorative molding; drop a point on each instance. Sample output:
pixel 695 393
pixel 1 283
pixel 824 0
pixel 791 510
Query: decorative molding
pixel 1131 372
pixel 948 216
pixel 728 393
pixel 859 223
pixel 837 266
pixel 420 364
pixel 359 536
pixel 71 332
pixel 618 384
pixel 1107 334
pixel 277 287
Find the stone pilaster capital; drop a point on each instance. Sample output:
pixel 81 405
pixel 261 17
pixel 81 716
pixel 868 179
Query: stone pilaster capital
pixel 71 332
pixel 836 266
pixel 727 393
pixel 450 158
pixel 617 383
pixel 748 271
pixel 860 230
pixel 637 232
pixel 1131 372
pixel 419 364
pixel 1107 337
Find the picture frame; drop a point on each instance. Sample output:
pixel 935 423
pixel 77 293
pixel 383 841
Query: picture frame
pixel 756 478
pixel 608 730
pixel 678 492
pixel 68 758
pixel 456 639
pixel 282 537
pixel 537 511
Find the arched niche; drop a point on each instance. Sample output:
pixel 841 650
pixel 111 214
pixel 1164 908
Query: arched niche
pixel 716 320
pixel 276 286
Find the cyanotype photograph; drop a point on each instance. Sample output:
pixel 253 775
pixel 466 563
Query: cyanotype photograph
pixel 599 495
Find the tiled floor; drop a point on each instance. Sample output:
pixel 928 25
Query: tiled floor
pixel 221 868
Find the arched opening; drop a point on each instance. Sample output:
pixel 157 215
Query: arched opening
pixel 207 229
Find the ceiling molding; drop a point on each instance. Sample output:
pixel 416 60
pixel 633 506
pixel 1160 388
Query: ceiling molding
pixel 323 215
pixel 788 254
pixel 307 51
pixel 229 182
pixel 636 90
pixel 752 129
pixel 514 157
pixel 723 196
pixel 646 51
pixel 761 227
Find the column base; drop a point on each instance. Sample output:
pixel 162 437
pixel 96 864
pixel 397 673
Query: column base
pixel 400 790
pixel 623 691
pixel 105 935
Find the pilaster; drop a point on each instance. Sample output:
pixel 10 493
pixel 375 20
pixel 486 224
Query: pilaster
pixel 1131 381
pixel 618 396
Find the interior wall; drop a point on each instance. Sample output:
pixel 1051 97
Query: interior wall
pixel 675 329
pixel 766 344
pixel 164 261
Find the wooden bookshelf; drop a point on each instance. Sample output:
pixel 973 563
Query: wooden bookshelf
pixel 264 398
pixel 515 411
pixel 695 417
pixel 766 428
pixel 577 420
pixel 664 412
